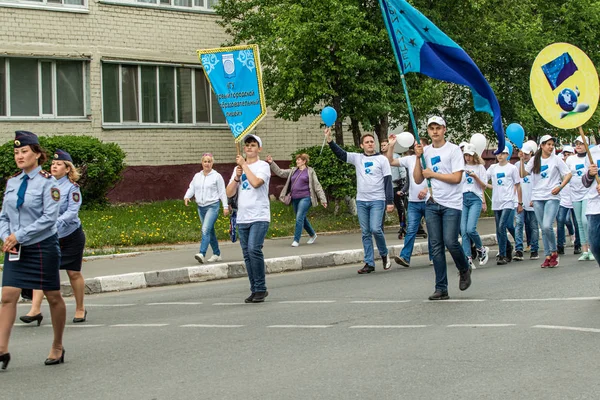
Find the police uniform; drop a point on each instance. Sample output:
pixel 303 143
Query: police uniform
pixel 70 232
pixel 32 219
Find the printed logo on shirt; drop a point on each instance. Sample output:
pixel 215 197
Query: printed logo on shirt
pixel 368 166
pixel 435 160
pixel 579 168
pixel 499 176
pixel 245 183
pixel 526 179
pixel 543 170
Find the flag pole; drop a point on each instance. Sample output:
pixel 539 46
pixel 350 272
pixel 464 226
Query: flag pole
pixel 587 150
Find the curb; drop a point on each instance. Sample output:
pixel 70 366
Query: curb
pixel 204 272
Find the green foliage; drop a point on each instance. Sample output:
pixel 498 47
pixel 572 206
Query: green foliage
pixel 100 163
pixel 337 178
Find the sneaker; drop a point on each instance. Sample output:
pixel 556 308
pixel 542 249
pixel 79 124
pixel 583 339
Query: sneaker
pixel 401 261
pixel 509 251
pixel 249 298
pixel 483 255
pixel 200 258
pixel 311 239
pixel 259 297
pixel 534 255
pixel 518 255
pixel 527 249
pixel 577 250
pixel 573 239
pixel 367 269
pixel 439 295
pixel 502 261
pixel 560 249
pixel 214 258
pixel 584 256
pixel 465 279
pixel 546 263
pixel 554 261
pixel 471 265
pixel 430 262
pixel 591 256
pixel 387 264
pixel 295 244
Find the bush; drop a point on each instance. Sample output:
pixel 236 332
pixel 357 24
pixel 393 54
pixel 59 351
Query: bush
pixel 338 178
pixel 100 164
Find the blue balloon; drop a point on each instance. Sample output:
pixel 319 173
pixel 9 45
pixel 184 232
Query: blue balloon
pixel 510 150
pixel 516 134
pixel 329 115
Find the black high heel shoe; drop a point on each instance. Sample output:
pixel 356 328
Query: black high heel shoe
pixel 4 359
pixel 29 319
pixel 78 320
pixel 55 361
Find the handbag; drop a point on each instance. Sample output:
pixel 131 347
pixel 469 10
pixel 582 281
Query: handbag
pixel 287 199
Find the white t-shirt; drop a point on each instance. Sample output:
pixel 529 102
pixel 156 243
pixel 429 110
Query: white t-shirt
pixel 469 183
pixel 504 178
pixel 579 167
pixel 593 199
pixel 370 171
pixel 565 196
pixel 549 177
pixel 445 160
pixel 253 204
pixel 526 189
pixel 409 162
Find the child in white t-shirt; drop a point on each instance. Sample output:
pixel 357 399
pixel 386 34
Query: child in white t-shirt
pixel 527 218
pixel 593 205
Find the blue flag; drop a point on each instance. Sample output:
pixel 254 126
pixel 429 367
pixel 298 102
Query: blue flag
pixel 559 70
pixel 420 46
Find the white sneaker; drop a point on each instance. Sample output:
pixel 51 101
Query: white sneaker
pixel 200 258
pixel 312 239
pixel 471 265
pixel 295 244
pixel 214 258
pixel 484 256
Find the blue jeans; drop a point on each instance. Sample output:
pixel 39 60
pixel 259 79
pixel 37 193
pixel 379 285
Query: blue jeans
pixel 528 219
pixel 468 223
pixel 301 207
pixel 594 235
pixel 443 224
pixel 504 223
pixel 252 236
pixel 545 213
pixel 579 210
pixel 566 217
pixel 208 216
pixel 416 210
pixel 370 214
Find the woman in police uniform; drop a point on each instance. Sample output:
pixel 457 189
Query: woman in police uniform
pixel 70 236
pixel 28 230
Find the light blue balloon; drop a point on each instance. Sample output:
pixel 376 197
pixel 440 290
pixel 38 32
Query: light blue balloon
pixel 328 115
pixel 510 150
pixel 516 134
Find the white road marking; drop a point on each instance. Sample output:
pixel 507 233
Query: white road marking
pixel 379 301
pixel 568 328
pixel 103 305
pixel 175 303
pixel 228 304
pixel 388 326
pixel 300 326
pixel 480 325
pixel 211 326
pixel 455 301
pixel 307 302
pixel 138 325
pixel 557 299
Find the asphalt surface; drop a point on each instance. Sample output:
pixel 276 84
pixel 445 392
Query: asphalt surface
pixel 519 332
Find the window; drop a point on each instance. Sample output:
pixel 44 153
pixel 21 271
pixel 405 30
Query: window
pixel 165 95
pixel 67 5
pixel 35 88
pixel 199 5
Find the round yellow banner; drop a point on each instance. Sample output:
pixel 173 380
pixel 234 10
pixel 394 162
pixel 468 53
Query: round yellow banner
pixel 564 85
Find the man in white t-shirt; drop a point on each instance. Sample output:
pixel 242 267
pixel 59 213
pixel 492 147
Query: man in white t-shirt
pixel 250 180
pixel 444 168
pixel 374 196
pixel 527 217
pixel 593 204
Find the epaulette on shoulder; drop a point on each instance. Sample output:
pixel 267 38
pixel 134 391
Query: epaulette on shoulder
pixel 16 174
pixel 74 183
pixel 45 174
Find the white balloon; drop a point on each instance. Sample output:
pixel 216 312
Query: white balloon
pixel 399 149
pixel 406 139
pixel 479 141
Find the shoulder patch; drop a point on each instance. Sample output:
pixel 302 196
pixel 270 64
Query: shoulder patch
pixel 55 194
pixel 76 197
pixel 45 174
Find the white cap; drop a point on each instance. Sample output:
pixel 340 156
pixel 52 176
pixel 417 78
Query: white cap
pixel 506 150
pixel 568 149
pixel 527 149
pixel 436 120
pixel 462 144
pixel 469 149
pixel 545 138
pixel 580 140
pixel 255 137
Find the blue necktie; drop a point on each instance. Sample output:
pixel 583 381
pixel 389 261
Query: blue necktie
pixel 21 192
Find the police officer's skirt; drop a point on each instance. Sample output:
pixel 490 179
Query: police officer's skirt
pixel 37 268
pixel 71 249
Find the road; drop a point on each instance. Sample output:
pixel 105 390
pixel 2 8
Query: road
pixel 520 332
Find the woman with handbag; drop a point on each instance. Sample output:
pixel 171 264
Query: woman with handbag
pixel 302 193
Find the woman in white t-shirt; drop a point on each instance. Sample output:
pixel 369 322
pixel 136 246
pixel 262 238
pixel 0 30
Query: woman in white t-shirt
pixel 546 169
pixel 578 165
pixel 473 203
pixel 505 182
pixel 593 204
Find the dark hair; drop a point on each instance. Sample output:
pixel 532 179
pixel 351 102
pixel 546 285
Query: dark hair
pixel 37 149
pixel 362 139
pixel 537 161
pixel 250 139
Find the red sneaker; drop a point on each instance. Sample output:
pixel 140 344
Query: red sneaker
pixel 554 260
pixel 546 263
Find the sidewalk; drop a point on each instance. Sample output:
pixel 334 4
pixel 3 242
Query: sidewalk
pixel 178 266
